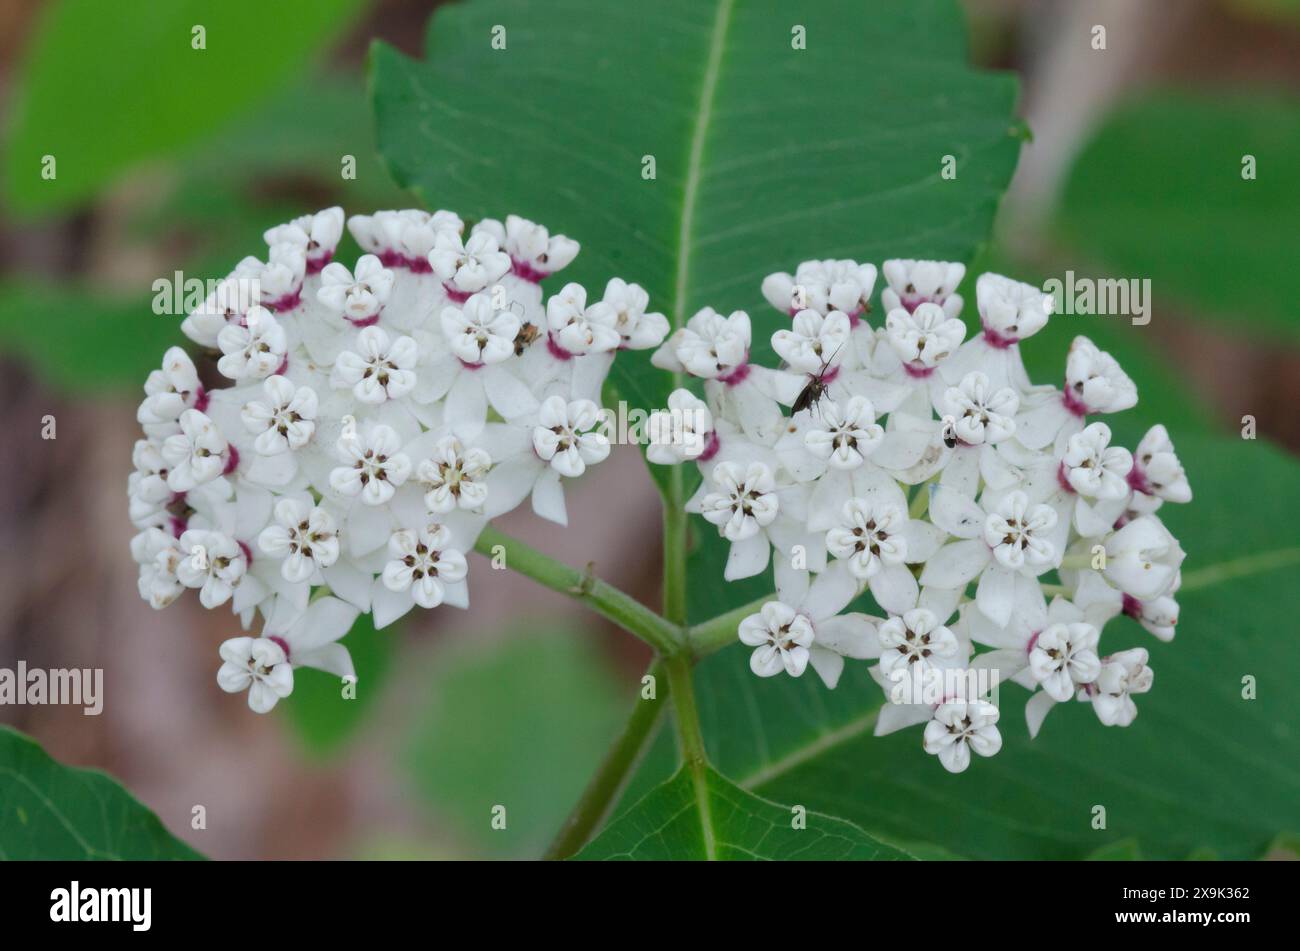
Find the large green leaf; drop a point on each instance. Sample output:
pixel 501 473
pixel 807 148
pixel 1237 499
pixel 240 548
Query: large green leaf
pixel 50 811
pixel 765 154
pixel 1200 768
pixel 521 725
pixel 94 70
pixel 716 819
pixel 1158 193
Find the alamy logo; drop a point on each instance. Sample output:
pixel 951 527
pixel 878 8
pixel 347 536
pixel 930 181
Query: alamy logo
pixel 103 904
pixel 37 687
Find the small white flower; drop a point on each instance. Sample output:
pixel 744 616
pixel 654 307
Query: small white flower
pixel 1009 310
pixel 814 341
pixel 171 390
pixel 923 337
pixel 159 555
pixel 1064 658
pixel 1095 468
pixel 285 420
pixel 1017 532
pixel 255 350
pixel 197 454
pixel 781 639
pixel 579 329
pixel 258 665
pixel 869 536
pixel 292 638
pixel 375 468
pixel 710 346
pixel 1143 558
pixel 1156 469
pixel 681 432
pixel 424 563
pixel 456 477
pixel 318 235
pixel 213 562
pixel 912 283
pixel 306 537
pixel 844 438
pixel 281 277
pixel 478 333
pixel 960 727
pixel 624 307
pixel 1094 382
pixel 745 502
pixel 468 267
pixel 229 301
pixel 564 436
pixel 1122 675
pixel 981 417
pixel 534 251
pixel 379 368
pixel 361 298
pixel 913 649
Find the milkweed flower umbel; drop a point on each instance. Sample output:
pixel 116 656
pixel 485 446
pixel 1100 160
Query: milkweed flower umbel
pixel 926 472
pixel 363 423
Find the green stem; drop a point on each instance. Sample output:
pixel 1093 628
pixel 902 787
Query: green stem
pixel 603 598
pixel 690 742
pixel 604 788
pixel 674 602
pixel 718 632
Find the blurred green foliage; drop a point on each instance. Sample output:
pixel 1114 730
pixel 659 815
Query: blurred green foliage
pixel 105 85
pixel 520 723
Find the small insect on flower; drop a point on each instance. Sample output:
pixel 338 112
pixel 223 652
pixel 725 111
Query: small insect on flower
pixel 524 339
pixel 811 394
pixel 950 432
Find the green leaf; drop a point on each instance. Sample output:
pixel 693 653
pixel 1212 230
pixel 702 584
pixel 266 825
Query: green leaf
pixel 322 717
pixel 764 154
pixel 1173 781
pixel 736 825
pixel 1124 850
pixel 1158 193
pixel 521 725
pixel 93 69
pixel 54 812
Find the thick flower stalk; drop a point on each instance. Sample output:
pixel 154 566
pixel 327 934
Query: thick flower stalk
pixel 371 421
pixel 914 463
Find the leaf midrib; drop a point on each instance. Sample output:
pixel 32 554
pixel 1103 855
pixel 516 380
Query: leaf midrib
pixel 695 157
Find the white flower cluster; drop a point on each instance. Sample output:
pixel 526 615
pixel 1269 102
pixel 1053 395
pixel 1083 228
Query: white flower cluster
pixel 374 419
pixel 927 468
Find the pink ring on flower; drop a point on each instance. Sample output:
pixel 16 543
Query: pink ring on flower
pixel 1138 482
pixel 317 264
pixel 711 447
pixel 390 258
pixel 248 552
pixel 527 271
pixel 201 399
pixel 998 341
pixel 1132 606
pixel 419 266
pixel 287 302
pixel 1033 640
pixel 1063 481
pixel 281 643
pixel 232 460
pixel 363 321
pixel 556 350
pixel 916 372
pixel 737 374
pixel 1073 403
pixel 471 366
pixel 458 296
